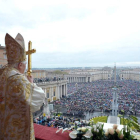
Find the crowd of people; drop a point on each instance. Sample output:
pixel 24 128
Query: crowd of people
pixel 60 121
pixel 98 96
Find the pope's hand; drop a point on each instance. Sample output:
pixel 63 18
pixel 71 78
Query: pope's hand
pixel 30 78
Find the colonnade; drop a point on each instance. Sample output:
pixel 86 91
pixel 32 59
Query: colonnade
pixel 54 90
pixel 87 78
pixel 77 79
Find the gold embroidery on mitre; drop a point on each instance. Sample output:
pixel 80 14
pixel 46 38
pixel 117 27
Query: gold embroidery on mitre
pixel 15 49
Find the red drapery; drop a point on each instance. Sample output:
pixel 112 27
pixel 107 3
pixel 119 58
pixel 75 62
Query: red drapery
pixel 49 133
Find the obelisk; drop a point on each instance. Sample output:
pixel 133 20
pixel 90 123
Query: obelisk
pixel 114 103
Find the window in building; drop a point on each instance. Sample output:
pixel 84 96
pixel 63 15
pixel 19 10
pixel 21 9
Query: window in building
pixel 47 95
pixel 54 93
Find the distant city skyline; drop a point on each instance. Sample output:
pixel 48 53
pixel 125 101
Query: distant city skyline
pixel 84 68
pixel 75 33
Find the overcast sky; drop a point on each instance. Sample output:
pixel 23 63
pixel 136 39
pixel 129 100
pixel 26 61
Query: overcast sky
pixel 75 33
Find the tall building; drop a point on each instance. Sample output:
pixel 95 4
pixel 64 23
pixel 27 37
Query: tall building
pixel 3 57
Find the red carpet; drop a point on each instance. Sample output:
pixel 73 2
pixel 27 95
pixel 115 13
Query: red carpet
pixel 49 133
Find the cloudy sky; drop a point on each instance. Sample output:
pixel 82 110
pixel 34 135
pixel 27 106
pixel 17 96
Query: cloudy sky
pixel 75 33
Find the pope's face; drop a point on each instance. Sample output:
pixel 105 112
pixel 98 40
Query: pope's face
pixel 22 67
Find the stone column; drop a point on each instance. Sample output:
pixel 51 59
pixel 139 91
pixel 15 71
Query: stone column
pixel 86 79
pixel 90 79
pixel 64 90
pixel 51 93
pixel 58 93
pixel 61 91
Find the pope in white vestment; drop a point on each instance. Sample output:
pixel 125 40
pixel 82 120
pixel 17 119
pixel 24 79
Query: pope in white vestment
pixel 19 96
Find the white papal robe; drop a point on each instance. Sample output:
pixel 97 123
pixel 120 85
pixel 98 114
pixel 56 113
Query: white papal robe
pixel 18 99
